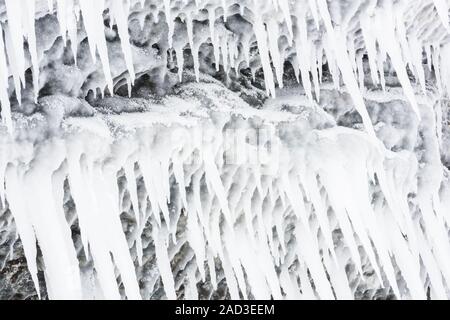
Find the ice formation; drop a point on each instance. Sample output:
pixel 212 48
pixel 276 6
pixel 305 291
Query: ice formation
pixel 286 149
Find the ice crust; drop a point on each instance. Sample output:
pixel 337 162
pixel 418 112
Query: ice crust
pixel 128 170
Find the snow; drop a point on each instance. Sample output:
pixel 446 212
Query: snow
pixel 384 29
pixel 299 198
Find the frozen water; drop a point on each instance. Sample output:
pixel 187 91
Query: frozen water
pixel 239 149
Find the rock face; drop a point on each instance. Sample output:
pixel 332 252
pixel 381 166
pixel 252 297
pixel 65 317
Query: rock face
pixel 224 149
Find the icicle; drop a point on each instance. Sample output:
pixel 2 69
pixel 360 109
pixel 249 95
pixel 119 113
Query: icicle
pixel 273 33
pixel 162 259
pixel 312 192
pixel 106 193
pixel 442 10
pixel 320 62
pixel 29 16
pixel 416 55
pixel 338 278
pixel 261 38
pixel 381 59
pixel 4 97
pixel 341 56
pixel 129 87
pixel 213 176
pixel 75 179
pixel 370 42
pixel 169 21
pixel 284 5
pixel 428 55
pixel 61 15
pixel 196 241
pixel 45 210
pixel 431 266
pixel 385 28
pixel 214 37
pixel 314 12
pixel 23 223
pixel 14 43
pixel 132 189
pixel 436 57
pixel 99 224
pixel 141 19
pixel 120 14
pixel 225 10
pixel 225 53
pixel 360 70
pixel 50 6
pixel 309 254
pixel 92 12
pixel 194 48
pixel 315 74
pixel 303 53
pixel 255 275
pixel 331 62
pixel 306 198
pixel 72 27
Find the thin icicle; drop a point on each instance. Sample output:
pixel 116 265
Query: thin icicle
pixel 24 226
pixel 302 48
pixel 284 5
pixel 29 25
pixel 14 44
pixel 343 62
pixel 225 10
pixel 163 262
pixel 120 13
pixel 62 18
pixel 261 38
pixel 273 33
pixel 4 97
pixel 370 42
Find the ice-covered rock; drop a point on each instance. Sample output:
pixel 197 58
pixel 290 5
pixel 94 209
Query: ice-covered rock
pixel 225 149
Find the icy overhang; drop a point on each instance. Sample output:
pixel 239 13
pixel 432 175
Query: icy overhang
pixel 66 52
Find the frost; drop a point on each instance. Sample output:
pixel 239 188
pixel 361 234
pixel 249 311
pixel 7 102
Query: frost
pixel 385 29
pixel 336 186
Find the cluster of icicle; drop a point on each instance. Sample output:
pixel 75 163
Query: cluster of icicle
pixel 268 224
pixel 307 33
